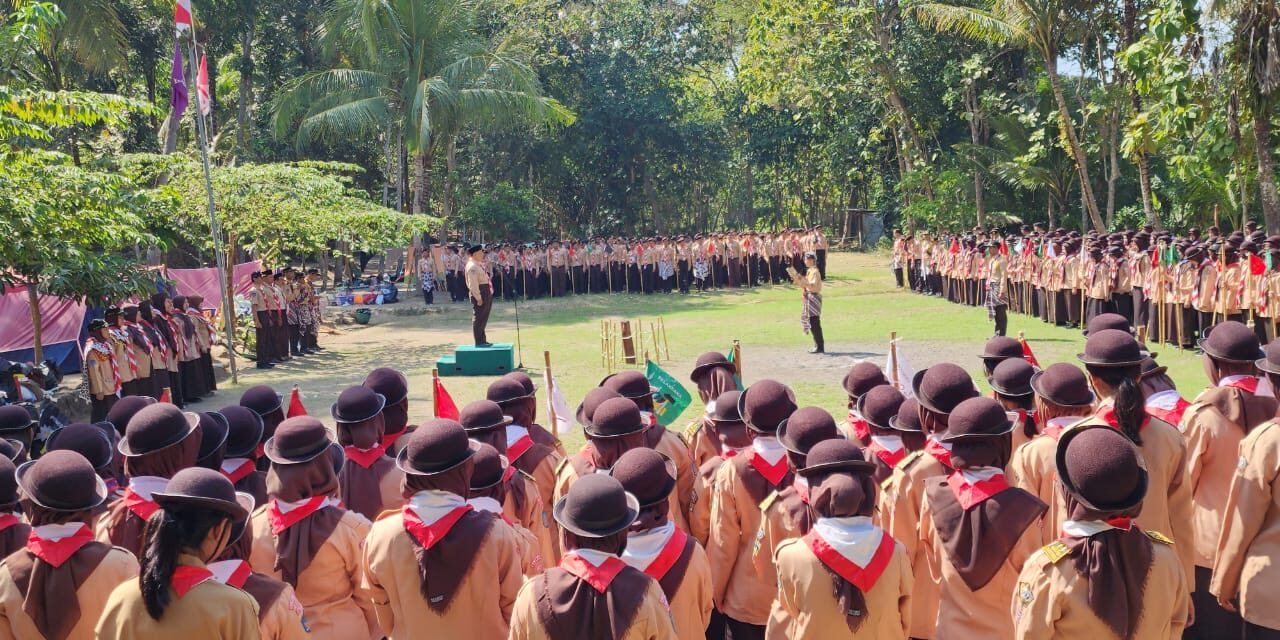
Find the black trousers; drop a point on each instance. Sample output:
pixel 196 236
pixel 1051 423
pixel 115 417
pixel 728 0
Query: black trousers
pixel 262 338
pixel 1002 319
pixel 739 630
pixel 897 276
pixel 822 262
pixel 98 408
pixel 295 340
pixel 815 329
pixel 1256 632
pixel 480 313
pixel 1212 621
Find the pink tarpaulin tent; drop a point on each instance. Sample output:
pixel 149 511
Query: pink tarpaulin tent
pixel 61 320
pixel 204 282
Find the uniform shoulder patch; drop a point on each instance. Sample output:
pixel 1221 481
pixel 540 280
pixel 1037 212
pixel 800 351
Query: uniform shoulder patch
pixel 911 458
pixel 1159 537
pixel 769 500
pixel 561 465
pixel 692 430
pixel 1055 551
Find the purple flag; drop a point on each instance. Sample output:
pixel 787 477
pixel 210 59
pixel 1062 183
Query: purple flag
pixel 178 93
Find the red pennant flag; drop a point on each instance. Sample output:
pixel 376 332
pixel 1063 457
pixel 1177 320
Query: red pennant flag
pixel 202 87
pixel 164 396
pixel 1256 266
pixel 182 14
pixel 295 404
pixel 1026 353
pixel 445 408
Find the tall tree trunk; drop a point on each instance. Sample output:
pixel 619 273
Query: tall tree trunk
pixel 1144 163
pixel 37 333
pixel 1113 173
pixel 1077 151
pixel 422 180
pixel 975 134
pixel 749 178
pixel 450 164
pixel 172 125
pixel 1269 195
pixel 243 115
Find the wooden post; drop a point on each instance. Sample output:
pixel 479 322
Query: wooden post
pixel 603 328
pixel 665 343
pixel 653 336
pixel 435 384
pixel 546 376
pixel 737 357
pixel 228 310
pixel 893 358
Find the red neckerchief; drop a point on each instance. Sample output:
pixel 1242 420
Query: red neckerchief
pixel 598 577
pixel 8 520
pixel 519 447
pixel 240 575
pixel 241 472
pixel 56 552
pixel 1248 383
pixel 861 429
pixel 668 556
pixel 774 473
pixel 365 458
pixel 971 495
pixel 861 577
pixel 1120 523
pixel 428 535
pixel 140 506
pixel 889 458
pixel 1172 415
pixel 1107 413
pixel 801 490
pixel 939 452
pixel 389 439
pixel 508 473
pixel 185 578
pixel 281 521
pixel 259 451
pixel 728 452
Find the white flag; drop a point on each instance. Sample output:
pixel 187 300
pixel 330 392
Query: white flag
pixel 897 368
pixel 557 406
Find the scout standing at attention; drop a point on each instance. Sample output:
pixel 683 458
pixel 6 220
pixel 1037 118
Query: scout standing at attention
pixel 593 594
pixel 176 596
pixel 1105 577
pixel 437 566
pixel 811 314
pixel 369 481
pixel 102 370
pixel 481 292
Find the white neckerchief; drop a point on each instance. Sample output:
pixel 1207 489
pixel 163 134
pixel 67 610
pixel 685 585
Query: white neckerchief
pixel 1226 380
pixel 1166 398
pixel 1062 422
pixel 643 547
pixel 711 407
pixel 222 570
pixel 514 433
pixel 945 445
pixel 769 448
pixel 286 507
pixel 430 505
pixel 800 481
pixel 1085 528
pixel 593 556
pixel 856 538
pixel 146 485
pixel 231 464
pixel 892 444
pixel 56 532
pixel 974 475
pixel 486 504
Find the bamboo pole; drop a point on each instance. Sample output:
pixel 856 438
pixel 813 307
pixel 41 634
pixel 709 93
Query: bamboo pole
pixel 893 358
pixel 653 335
pixel 737 357
pixel 546 376
pixel 435 395
pixel 665 343
pixel 603 346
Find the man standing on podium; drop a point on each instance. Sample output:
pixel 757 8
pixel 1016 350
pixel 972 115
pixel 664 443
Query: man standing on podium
pixel 481 290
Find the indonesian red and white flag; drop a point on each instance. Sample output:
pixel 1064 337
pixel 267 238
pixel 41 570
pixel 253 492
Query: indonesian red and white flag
pixel 182 15
pixel 202 87
pixel 556 405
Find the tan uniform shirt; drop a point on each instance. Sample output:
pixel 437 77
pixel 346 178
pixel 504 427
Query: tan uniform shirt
pixel 810 611
pixel 739 591
pixel 1250 542
pixel 333 600
pixel 481 606
pixel 283 620
pixel 116 568
pixel 1034 470
pixel 209 611
pixel 1051 600
pixel 652 620
pixel 535 519
pixel 900 515
pixel 476 276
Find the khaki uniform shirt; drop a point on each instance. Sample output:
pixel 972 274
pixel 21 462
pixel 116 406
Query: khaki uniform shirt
pixel 652 619
pixel 1250 542
pixel 476 276
pixel 330 589
pixel 97 367
pixel 481 606
pixel 739 591
pixel 116 568
pixel 900 516
pixel 1051 600
pixel 209 611
pixel 807 610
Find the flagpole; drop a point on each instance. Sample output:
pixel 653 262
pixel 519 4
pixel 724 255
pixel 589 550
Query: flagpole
pixel 893 353
pixel 215 230
pixel 435 393
pixel 551 404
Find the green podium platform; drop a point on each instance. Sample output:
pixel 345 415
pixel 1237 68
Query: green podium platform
pixel 470 360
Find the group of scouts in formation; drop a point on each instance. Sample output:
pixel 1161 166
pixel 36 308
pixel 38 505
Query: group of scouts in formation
pixel 618 265
pixel 160 347
pixel 1173 287
pixel 1083 500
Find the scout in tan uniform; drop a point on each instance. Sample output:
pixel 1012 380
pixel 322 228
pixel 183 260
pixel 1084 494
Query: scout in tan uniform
pixel 847 577
pixel 56 584
pixel 1213 427
pixel 491 481
pixel 436 565
pixel 593 594
pixel 122 351
pixel 176 596
pixel 905 425
pixel 878 407
pixel 102 370
pixel 268 404
pixel 160 441
pixel 518 441
pixel 1104 578
pixel 741 595
pixel 395 413
pixel 660 549
pixel 1062 398
pixel 1011 386
pixel 938 390
pixel 525 409
pixel 244 428
pixel 279 612
pixel 480 289
pixel 861 378
pixel 1113 361
pixel 206 335
pixel 1245 571
pixel 714 375
pixel 522 503
pixel 369 481
pixel 140 343
pixel 304 537
pixel 725 424
pixel 604 444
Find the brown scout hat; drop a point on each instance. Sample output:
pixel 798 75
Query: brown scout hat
pixel 1271 362
pixel 357 404
pixel 943 386
pixel 629 384
pixel 390 383
pixel 708 361
pixel 88 440
pixel 8 482
pixel 977 418
pixel 1063 384
pixel 297 440
pixel 506 389
pixel 201 488
pixel 155 427
pixel 244 430
pixel 879 405
pixel 1104 321
pixel 490 468
pixel 862 377
pixel 482 415
pixel 1101 468
pixel 908 417
pixel 1231 341
pixel 213 433
pixel 726 409
pixel 836 455
pixel 765 405
pixel 14 417
pixel 806 427
pixel 615 418
pixel 436 447
pixel 1012 377
pixel 596 506
pixel 593 400
pixel 1112 348
pixel 645 474
pixel 1001 347
pixel 62 481
pixel 125 408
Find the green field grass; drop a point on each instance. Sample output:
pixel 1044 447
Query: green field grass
pixel 861 308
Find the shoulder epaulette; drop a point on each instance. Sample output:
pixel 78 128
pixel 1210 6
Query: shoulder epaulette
pixel 1159 537
pixel 560 467
pixel 692 430
pixel 764 504
pixel 1055 551
pixel 680 436
pixel 911 458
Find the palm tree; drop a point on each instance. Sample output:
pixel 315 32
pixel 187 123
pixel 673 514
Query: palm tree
pixel 1036 24
pixel 419 72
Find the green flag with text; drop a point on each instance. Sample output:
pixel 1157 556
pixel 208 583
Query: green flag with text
pixel 670 398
